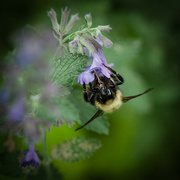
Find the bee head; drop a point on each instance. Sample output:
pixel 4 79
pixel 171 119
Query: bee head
pixel 104 91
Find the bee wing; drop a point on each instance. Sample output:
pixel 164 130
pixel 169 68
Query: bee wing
pixel 97 114
pixel 125 99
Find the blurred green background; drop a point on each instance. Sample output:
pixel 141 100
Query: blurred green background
pixel 144 136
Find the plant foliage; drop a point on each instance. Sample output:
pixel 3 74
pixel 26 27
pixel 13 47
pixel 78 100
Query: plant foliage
pixel 76 149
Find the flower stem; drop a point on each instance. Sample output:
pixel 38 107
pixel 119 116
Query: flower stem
pixel 46 160
pixel 45 155
pixel 78 32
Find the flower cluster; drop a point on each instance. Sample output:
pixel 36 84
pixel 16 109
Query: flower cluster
pixel 87 40
pixel 28 98
pixel 25 76
pixel 98 62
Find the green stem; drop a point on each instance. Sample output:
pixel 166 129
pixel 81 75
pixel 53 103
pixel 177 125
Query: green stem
pixel 45 155
pixel 46 160
pixel 78 32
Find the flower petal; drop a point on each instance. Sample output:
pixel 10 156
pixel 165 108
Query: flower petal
pixel 25 152
pixel 35 157
pixel 98 60
pixel 85 77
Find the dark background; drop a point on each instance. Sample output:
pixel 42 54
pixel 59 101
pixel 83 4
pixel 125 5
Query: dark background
pixel 144 142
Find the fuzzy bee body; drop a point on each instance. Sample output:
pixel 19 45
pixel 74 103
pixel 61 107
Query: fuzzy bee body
pixel 105 94
pixel 111 104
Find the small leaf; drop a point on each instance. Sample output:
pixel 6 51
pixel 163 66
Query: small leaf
pixel 81 28
pixel 66 68
pixel 60 107
pixel 76 149
pixel 72 36
pixel 67 110
pixel 45 112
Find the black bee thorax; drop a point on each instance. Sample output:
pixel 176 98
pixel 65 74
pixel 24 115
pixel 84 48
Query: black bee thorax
pixel 104 97
pixel 102 92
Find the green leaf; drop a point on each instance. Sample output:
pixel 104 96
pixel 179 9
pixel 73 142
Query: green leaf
pixel 60 107
pixel 66 68
pixel 86 111
pixel 76 149
pixel 44 112
pixel 67 110
pixel 81 28
pixel 72 107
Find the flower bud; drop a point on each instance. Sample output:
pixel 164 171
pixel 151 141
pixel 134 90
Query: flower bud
pixel 88 45
pixel 53 17
pixel 31 157
pixel 97 34
pixel 64 18
pixel 104 28
pixel 80 49
pixel 94 42
pixel 88 18
pixel 106 42
pixel 71 23
pixel 73 45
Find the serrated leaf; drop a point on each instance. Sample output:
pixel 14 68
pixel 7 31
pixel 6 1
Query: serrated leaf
pixel 86 111
pixel 76 149
pixel 67 109
pixel 45 112
pixel 60 107
pixel 66 68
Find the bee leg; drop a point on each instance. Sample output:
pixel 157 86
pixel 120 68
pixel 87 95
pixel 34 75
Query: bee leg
pixel 97 77
pixel 85 93
pixel 115 80
pixel 117 75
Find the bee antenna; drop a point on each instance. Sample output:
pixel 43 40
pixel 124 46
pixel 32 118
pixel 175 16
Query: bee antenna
pixel 97 114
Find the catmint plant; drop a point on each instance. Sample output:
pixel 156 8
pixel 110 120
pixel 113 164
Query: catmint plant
pixel 38 78
pixel 88 40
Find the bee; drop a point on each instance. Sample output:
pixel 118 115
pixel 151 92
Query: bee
pixel 105 94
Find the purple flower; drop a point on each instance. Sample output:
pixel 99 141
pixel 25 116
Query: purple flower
pixel 4 95
pixel 30 50
pixel 17 110
pixel 98 58
pixel 85 77
pixel 31 157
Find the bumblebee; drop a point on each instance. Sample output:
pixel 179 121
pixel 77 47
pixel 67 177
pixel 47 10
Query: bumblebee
pixel 105 94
